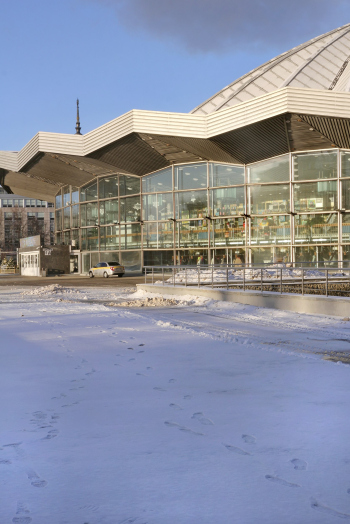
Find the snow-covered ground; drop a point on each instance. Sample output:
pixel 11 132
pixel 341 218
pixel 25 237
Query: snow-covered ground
pixel 188 412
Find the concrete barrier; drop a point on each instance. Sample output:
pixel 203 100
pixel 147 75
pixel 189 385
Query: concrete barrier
pixel 312 304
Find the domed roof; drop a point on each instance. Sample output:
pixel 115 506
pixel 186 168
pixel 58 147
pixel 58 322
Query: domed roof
pixel 320 63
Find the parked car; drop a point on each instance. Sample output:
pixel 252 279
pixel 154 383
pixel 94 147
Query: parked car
pixel 106 269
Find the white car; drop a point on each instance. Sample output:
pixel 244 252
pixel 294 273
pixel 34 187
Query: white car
pixel 106 269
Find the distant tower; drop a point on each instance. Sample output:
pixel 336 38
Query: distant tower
pixel 77 127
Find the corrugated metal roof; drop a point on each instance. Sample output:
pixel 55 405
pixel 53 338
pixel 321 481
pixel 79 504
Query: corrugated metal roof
pixel 314 65
pixel 132 154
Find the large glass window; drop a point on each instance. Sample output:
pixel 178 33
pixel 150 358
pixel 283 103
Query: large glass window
pixel 270 255
pixel 276 170
pixel 309 166
pixel 75 195
pixel 66 195
pixel 66 217
pixel 149 207
pixel 109 212
pixel 191 176
pixel 58 220
pixel 75 239
pixel 345 163
pixel 229 231
pixel 158 258
pixel 58 199
pixel 131 260
pixel 89 239
pixel 316 228
pixel 191 204
pixel 269 199
pixel 158 235
pixel 270 229
pixel 128 185
pixel 165 206
pixel 228 201
pixel 150 235
pixel 66 238
pixel 89 214
pixel 225 175
pixel 130 209
pixel 89 192
pixel 75 216
pixel 160 181
pixel 315 196
pixel 109 237
pixel 130 236
pixel 190 257
pixel 316 256
pixel 345 184
pixel 157 207
pixel 108 187
pixel 192 233
pixel 346 228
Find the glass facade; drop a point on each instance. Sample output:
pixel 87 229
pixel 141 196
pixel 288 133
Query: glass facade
pixel 292 208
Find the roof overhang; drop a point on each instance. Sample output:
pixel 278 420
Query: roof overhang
pixel 140 142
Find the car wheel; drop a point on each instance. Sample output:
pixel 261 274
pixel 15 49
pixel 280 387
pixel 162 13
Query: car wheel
pixel 91 275
pixel 105 274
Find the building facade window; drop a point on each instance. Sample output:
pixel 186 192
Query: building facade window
pixel 280 209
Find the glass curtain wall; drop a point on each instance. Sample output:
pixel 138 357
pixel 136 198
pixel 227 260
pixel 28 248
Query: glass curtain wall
pixel 281 209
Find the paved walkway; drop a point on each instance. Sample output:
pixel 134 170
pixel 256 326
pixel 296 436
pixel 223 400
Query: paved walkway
pixel 71 281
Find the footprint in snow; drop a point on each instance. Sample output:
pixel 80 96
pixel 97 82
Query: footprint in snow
pixel 299 464
pixel 5 462
pixel 159 389
pixel 202 419
pixel 69 405
pixel 172 380
pixel 188 430
pixel 141 344
pixel 39 415
pixel 16 447
pixel 329 511
pixel 51 434
pixel 249 439
pixel 181 428
pixel 175 406
pixel 235 449
pixel 36 481
pixel 283 482
pixel 187 397
pixel 23 513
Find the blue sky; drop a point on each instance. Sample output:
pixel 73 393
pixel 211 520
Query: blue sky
pixel 117 55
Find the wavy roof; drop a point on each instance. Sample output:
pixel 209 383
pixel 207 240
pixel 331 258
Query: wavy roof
pixel 320 63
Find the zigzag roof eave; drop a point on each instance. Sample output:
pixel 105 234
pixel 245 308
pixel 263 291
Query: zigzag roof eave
pixel 286 100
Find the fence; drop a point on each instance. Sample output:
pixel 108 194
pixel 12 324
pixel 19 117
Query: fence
pixel 278 278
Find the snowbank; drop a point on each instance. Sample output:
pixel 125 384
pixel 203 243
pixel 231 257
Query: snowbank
pixel 269 273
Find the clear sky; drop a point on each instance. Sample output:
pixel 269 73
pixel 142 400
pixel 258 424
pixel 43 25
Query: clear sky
pixel 117 55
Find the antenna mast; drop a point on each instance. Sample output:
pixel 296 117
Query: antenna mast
pixel 77 127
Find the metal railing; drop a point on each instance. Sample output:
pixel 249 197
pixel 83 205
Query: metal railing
pixel 271 278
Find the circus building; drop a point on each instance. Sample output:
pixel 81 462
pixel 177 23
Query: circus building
pixel 259 172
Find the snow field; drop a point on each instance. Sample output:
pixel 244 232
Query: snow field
pixel 202 413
